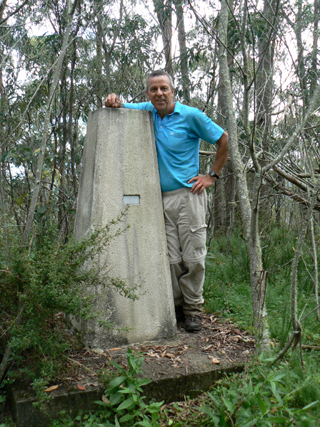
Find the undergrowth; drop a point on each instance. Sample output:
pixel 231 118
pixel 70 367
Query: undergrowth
pixel 227 291
pixel 123 403
pixel 41 287
pixel 257 397
pixel 283 395
pixel 227 286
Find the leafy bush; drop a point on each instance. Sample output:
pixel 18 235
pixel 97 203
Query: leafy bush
pixel 124 396
pixel 258 397
pixel 41 286
pixel 122 405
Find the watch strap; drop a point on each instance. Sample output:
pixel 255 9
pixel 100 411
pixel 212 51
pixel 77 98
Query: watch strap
pixel 214 175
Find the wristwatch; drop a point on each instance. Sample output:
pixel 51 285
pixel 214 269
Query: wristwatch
pixel 213 174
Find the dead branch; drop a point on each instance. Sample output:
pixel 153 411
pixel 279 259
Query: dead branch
pixel 311 347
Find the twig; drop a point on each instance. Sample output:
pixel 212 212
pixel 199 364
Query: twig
pixel 80 364
pixel 225 296
pixel 311 347
pixel 310 312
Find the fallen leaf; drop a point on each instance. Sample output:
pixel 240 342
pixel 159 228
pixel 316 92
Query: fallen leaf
pixel 105 399
pixel 98 351
pixel 53 387
pixel 171 356
pixel 81 387
pixel 115 349
pixel 207 348
pixel 237 331
pixel 163 354
pixel 216 361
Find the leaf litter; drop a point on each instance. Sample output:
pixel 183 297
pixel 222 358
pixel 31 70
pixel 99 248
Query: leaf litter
pixel 218 343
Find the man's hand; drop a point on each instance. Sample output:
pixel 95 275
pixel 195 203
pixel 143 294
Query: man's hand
pixel 112 101
pixel 201 182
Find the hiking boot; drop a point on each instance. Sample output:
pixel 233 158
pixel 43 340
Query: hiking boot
pixel 180 317
pixel 193 323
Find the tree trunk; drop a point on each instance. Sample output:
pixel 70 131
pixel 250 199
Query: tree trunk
pixel 183 52
pixel 301 62
pixel 71 110
pixel 98 68
pixel 108 51
pixel 258 276
pixel 53 87
pixel 3 101
pixel 264 91
pixel 314 63
pixel 164 13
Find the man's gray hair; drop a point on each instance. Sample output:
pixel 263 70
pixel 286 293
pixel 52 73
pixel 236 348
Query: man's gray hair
pixel 158 73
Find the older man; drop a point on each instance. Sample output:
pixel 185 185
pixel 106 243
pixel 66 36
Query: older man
pixel 178 130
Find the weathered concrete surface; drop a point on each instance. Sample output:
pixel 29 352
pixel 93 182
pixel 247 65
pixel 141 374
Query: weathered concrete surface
pixel 25 414
pixel 120 160
pixel 72 401
pixel 185 366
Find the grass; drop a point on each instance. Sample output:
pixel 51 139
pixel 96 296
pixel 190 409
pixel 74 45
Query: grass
pixel 227 286
pixel 227 291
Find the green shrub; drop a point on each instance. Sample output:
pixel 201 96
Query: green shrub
pixel 122 404
pixel 259 397
pixel 41 286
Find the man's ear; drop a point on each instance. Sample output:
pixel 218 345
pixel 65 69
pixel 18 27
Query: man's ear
pixel 147 95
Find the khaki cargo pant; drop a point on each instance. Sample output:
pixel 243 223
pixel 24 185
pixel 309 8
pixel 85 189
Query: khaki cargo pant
pixel 185 214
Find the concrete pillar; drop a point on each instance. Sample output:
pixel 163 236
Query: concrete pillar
pixel 120 170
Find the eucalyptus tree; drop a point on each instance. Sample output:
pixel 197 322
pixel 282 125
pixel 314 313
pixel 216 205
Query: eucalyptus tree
pixel 254 67
pixel 163 9
pixel 183 51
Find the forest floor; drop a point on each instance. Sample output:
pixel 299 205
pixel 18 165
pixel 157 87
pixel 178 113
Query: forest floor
pixel 185 366
pixel 219 343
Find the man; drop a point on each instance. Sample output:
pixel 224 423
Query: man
pixel 178 130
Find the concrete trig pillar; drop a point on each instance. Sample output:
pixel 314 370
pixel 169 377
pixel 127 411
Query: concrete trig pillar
pixel 120 169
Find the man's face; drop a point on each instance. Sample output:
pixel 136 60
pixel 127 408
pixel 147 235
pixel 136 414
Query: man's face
pixel 160 94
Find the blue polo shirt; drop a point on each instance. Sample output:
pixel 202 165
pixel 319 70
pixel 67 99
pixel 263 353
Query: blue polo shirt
pixel 177 138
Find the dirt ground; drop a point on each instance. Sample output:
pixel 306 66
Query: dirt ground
pixel 219 344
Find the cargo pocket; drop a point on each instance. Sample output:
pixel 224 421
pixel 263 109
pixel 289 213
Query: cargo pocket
pixel 198 236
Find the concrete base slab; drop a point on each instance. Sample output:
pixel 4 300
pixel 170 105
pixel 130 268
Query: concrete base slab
pixel 185 366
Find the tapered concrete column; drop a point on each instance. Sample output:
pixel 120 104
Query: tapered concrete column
pixel 120 170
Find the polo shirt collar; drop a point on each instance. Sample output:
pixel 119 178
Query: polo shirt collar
pixel 177 108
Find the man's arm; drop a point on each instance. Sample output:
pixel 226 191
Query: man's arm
pixel 113 101
pixel 203 181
